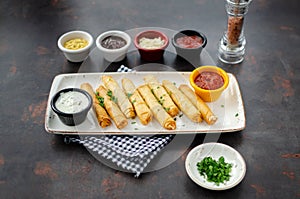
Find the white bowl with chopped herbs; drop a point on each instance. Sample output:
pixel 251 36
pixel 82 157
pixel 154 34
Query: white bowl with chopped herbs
pixel 215 166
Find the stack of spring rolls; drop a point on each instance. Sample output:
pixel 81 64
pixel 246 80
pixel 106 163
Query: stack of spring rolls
pixel 163 101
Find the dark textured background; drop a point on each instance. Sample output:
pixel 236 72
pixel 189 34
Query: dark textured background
pixel 34 164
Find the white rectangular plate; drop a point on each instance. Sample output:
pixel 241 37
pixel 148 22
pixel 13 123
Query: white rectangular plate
pixel 228 108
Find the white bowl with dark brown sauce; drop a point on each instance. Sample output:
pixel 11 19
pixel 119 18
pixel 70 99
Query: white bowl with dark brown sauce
pixel 113 45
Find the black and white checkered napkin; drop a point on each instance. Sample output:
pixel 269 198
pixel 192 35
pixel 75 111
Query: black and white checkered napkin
pixel 132 153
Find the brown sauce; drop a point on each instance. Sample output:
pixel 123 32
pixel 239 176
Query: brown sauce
pixel 113 42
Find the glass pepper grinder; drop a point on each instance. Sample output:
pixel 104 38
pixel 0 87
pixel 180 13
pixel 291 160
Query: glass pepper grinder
pixel 232 44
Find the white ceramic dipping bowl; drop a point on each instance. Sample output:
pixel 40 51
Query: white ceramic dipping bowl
pixel 80 54
pixel 113 55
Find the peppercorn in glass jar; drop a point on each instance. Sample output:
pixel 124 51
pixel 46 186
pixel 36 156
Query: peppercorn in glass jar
pixel 233 42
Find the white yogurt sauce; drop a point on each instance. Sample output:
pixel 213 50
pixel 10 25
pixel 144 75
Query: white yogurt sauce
pixel 71 102
pixel 151 43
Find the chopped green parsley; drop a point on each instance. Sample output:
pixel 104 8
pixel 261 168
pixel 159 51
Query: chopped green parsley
pixel 217 171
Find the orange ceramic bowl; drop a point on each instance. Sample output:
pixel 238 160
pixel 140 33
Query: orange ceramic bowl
pixel 205 94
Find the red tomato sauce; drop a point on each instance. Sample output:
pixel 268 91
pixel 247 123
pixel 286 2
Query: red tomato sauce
pixel 189 41
pixel 209 80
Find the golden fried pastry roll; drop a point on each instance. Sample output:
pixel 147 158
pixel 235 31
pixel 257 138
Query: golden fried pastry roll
pixel 101 113
pixel 141 108
pixel 112 108
pixel 182 102
pixel 161 94
pixel 206 113
pixel 158 111
pixel 120 97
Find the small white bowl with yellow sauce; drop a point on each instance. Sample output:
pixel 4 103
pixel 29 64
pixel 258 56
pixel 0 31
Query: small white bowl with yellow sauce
pixel 75 45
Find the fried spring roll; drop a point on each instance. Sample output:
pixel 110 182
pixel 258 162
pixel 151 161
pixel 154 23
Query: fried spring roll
pixel 112 108
pixel 158 111
pixel 206 113
pixel 161 94
pixel 141 108
pixel 101 113
pixel 182 102
pixel 121 98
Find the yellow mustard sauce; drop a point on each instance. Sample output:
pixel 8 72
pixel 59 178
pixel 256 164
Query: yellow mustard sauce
pixel 75 44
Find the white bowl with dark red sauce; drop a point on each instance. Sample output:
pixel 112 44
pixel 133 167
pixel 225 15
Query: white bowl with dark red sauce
pixel 113 45
pixel 189 43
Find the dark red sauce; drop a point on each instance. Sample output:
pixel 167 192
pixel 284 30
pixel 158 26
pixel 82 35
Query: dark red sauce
pixel 113 42
pixel 189 41
pixel 209 80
